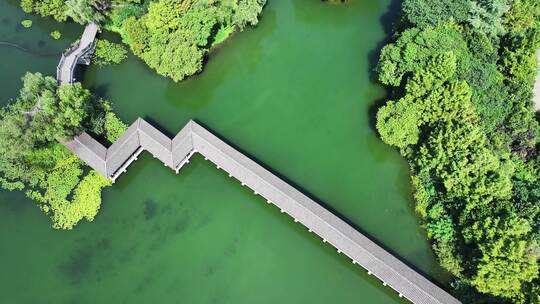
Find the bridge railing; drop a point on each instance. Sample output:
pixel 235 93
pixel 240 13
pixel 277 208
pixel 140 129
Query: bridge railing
pixel 65 54
pixel 76 51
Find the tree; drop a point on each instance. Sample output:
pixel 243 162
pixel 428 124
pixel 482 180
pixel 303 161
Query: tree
pixel 475 63
pixel 487 16
pixel 26 23
pixel 54 8
pixel 109 53
pixel 174 35
pixel 464 189
pixel 247 12
pixel 84 11
pixel 56 34
pixel 506 260
pixel 429 13
pixel 32 158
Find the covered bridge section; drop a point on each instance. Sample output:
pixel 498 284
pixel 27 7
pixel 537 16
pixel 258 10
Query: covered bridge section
pixel 140 136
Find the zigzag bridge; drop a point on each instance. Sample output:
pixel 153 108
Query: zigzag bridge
pixel 193 138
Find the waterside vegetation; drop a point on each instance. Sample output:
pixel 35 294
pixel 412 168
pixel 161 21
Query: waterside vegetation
pixel 32 158
pixel 107 53
pixel 26 23
pixel 460 75
pixel 171 36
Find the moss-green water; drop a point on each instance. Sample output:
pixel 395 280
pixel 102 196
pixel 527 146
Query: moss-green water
pixel 295 93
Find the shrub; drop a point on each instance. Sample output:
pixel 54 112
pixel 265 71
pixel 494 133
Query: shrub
pixel 109 53
pixel 32 158
pixel 56 35
pixel 26 23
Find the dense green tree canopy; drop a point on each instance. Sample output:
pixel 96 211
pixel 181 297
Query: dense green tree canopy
pixel 476 64
pixel 462 115
pixel 32 158
pixel 174 35
pixel 54 8
pixel 42 114
pixel 84 11
pixel 428 12
pixel 109 52
pixel 171 36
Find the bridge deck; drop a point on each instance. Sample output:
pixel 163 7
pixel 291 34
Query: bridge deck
pixel 194 138
pixel 66 66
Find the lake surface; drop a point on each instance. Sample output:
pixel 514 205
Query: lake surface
pixel 296 94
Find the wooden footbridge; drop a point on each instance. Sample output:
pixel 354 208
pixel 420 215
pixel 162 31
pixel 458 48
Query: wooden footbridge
pixel 193 138
pixel 79 53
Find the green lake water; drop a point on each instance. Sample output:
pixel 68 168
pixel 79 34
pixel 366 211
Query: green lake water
pixel 296 94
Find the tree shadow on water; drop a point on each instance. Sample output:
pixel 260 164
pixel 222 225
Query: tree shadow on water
pixel 78 265
pixel 390 22
pixel 150 209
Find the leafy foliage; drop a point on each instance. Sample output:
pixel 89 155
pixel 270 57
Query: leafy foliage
pixel 32 158
pixel 84 11
pixel 109 52
pixel 426 12
pixel 56 35
pixel 174 36
pixel 26 23
pixel 114 127
pixel 462 116
pixel 486 16
pixel 54 8
pixel 476 64
pixel 247 12
pixel 81 11
pixel 117 16
pixel 171 36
